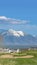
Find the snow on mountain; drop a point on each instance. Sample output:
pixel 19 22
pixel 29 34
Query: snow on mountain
pixel 16 33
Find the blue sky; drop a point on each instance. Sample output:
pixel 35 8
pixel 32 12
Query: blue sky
pixel 15 10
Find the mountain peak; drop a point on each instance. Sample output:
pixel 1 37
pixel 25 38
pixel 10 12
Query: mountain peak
pixel 16 33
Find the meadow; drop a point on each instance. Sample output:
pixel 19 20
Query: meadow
pixel 16 60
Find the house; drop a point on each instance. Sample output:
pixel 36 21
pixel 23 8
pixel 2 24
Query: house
pixel 17 50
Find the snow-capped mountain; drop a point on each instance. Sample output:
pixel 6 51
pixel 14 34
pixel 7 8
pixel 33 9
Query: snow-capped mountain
pixel 11 37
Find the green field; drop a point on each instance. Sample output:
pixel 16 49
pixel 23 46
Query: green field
pixel 20 61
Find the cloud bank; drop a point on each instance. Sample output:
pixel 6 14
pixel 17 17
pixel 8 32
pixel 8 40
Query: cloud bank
pixel 13 21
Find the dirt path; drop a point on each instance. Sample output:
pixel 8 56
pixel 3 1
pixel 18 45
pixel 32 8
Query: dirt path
pixel 6 56
pixel 10 56
pixel 28 56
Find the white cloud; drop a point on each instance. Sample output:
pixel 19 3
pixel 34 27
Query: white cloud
pixel 13 21
pixel 3 18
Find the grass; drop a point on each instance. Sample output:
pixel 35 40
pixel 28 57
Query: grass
pixel 20 61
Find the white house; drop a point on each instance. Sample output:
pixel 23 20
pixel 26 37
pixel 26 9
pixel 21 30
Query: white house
pixel 17 50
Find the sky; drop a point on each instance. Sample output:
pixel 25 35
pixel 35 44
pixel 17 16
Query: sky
pixel 19 15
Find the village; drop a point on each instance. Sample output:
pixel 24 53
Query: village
pixel 7 50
